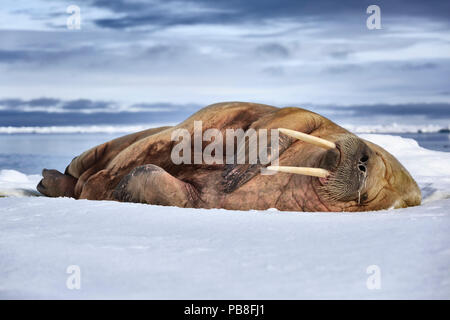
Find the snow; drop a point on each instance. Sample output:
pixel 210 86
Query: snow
pixel 14 183
pixel 127 250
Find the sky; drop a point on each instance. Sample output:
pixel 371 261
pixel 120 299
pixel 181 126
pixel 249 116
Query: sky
pixel 168 58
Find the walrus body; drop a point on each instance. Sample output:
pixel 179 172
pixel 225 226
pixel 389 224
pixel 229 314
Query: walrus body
pixel 139 168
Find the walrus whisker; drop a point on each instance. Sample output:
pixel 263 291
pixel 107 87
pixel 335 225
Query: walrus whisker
pixel 322 143
pixel 314 172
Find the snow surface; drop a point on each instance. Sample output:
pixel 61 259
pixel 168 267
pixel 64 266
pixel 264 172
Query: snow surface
pixel 14 183
pixel 129 250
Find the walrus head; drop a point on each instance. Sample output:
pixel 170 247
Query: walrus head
pixel 355 174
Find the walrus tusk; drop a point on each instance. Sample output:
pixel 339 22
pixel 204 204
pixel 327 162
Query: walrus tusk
pixel 315 172
pixel 308 138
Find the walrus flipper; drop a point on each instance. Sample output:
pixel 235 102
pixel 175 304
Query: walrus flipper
pixel 56 184
pixel 153 185
pixel 236 175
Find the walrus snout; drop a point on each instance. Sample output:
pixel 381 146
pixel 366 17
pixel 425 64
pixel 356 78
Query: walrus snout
pixel 364 176
pixel 348 165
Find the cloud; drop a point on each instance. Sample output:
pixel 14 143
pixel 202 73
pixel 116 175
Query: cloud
pixel 344 68
pixel 43 56
pixel 273 50
pixel 162 51
pixel 162 107
pixel 340 54
pixel 43 102
pixel 418 66
pixel 51 105
pixel 40 102
pixel 11 56
pixel 206 51
pixel 174 12
pixel 54 105
pixel 82 104
pixel 275 71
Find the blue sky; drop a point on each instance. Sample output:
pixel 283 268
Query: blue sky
pixel 171 57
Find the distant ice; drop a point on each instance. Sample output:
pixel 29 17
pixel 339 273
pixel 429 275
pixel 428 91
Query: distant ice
pixel 395 128
pixel 81 129
pixel 370 128
pixel 127 250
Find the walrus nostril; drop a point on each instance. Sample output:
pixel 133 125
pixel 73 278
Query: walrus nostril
pixel 362 168
pixel 364 158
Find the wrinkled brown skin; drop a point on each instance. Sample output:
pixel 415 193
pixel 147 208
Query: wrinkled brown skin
pixel 138 168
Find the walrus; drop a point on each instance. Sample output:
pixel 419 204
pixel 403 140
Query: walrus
pixel 321 167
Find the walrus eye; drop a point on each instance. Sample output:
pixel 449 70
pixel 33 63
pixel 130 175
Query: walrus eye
pixel 364 197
